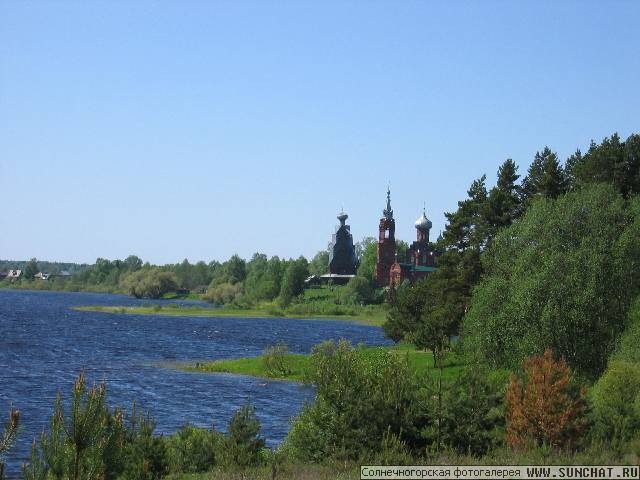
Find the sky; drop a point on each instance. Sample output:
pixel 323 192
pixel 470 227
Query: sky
pixel 200 129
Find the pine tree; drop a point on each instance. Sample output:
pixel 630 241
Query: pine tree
pixel 466 227
pixel 572 170
pixel 8 437
pixel 504 199
pixel 244 442
pixel 545 178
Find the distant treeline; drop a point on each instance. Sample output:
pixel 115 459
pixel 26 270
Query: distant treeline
pixel 238 281
pixel 44 266
pixel 468 233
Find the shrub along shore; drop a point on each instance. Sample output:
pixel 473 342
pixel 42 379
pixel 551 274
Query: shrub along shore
pixel 277 363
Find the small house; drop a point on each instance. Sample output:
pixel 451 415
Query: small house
pixel 14 274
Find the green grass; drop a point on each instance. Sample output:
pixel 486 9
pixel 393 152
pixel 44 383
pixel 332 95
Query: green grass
pixel 374 316
pixel 58 286
pixel 285 472
pixel 253 366
pixel 182 296
pixel 347 470
pixel 419 360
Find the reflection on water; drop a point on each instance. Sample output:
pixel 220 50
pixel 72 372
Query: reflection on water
pixel 44 344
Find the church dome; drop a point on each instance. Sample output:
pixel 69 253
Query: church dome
pixel 423 223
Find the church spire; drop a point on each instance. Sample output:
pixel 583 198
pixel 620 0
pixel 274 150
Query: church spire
pixel 388 212
pixel 342 216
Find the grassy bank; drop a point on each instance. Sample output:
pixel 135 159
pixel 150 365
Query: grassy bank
pixel 58 285
pixel 366 315
pixel 297 364
pixel 285 472
pixel 333 470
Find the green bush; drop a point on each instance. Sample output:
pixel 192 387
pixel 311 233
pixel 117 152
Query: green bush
pixel 193 449
pixel 145 457
pixel 325 307
pixel 392 451
pixel 628 349
pixel 275 360
pixel 360 398
pixel 358 291
pixel 472 414
pixel 615 400
pixel 223 293
pixel 149 283
pixel 244 445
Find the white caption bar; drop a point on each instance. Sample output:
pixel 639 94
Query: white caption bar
pixel 498 472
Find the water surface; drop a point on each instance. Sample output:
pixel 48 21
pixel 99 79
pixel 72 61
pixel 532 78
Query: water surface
pixel 44 343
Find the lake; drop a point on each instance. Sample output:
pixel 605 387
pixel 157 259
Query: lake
pixel 44 343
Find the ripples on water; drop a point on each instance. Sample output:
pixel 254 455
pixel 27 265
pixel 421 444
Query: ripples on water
pixel 44 344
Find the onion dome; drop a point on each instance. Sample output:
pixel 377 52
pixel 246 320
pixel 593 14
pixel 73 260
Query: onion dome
pixel 423 223
pixel 342 217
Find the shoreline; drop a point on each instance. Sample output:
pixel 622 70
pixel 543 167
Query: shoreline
pixel 298 364
pixel 214 312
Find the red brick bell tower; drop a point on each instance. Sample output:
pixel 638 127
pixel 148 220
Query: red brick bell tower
pixel 386 248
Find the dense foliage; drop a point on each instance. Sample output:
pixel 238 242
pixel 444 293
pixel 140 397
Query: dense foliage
pixel 562 277
pixel 370 404
pixel 359 398
pixel 615 401
pixel 149 283
pixel 470 413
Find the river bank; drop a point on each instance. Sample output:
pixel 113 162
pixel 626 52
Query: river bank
pixel 370 316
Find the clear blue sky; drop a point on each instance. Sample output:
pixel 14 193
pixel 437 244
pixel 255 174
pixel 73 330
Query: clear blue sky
pixel 200 129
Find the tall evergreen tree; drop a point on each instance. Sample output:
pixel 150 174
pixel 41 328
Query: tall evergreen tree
pixel 612 161
pixel 504 199
pixel 571 168
pixel 466 227
pixel 545 178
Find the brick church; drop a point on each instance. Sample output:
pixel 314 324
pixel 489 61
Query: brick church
pixel 421 258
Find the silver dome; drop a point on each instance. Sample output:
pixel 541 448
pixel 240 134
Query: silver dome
pixel 423 223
